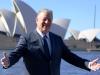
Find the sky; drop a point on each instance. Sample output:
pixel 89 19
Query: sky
pixel 80 12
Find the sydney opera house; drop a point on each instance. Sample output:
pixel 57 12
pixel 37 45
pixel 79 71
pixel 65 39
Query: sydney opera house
pixel 21 21
pixel 84 40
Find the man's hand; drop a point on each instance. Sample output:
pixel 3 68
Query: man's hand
pixel 93 65
pixel 5 60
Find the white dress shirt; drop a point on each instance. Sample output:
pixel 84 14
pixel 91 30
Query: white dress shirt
pixel 48 39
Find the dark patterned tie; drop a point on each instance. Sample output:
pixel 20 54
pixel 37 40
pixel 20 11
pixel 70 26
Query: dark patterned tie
pixel 46 48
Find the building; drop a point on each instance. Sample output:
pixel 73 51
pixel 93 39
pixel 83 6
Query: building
pixel 84 40
pixel 21 21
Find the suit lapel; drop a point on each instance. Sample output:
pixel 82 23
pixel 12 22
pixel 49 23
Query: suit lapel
pixel 39 39
pixel 52 42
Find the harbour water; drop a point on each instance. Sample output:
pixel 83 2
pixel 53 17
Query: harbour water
pixel 66 68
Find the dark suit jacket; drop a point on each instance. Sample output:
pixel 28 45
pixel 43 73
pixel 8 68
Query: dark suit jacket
pixel 37 63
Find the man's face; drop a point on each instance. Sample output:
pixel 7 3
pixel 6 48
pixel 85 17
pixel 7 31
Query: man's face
pixel 44 22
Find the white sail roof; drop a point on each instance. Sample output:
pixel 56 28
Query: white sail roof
pixel 7 21
pixel 74 33
pixel 26 15
pixel 60 26
pixel 88 34
pixel 22 20
pixel 2 25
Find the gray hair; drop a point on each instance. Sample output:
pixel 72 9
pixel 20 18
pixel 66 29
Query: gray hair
pixel 47 11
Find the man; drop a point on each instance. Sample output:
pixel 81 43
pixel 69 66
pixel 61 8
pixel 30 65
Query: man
pixel 42 50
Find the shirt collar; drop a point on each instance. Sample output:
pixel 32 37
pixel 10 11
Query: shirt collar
pixel 41 34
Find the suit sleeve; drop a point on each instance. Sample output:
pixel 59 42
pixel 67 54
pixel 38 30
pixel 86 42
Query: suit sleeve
pixel 73 59
pixel 19 51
